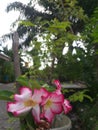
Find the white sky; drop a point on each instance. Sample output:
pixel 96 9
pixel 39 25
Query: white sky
pixel 6 19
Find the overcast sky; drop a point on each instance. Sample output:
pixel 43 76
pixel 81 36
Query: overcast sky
pixel 6 19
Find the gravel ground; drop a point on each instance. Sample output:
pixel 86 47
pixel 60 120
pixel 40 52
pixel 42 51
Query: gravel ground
pixel 7 123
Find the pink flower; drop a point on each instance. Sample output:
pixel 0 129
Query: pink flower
pixel 25 101
pixel 58 86
pixel 52 104
pixel 42 103
pixel 57 83
pixel 66 106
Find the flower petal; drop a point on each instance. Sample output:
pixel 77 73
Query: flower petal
pixel 38 93
pixel 67 107
pixel 17 108
pixel 36 113
pixel 57 108
pixel 49 115
pixel 56 98
pixel 57 83
pixel 25 93
pixel 14 106
pixel 58 91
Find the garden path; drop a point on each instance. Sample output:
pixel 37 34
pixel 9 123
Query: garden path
pixel 7 123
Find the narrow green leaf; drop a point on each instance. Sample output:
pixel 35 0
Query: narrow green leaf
pixel 87 96
pixel 26 23
pixel 6 95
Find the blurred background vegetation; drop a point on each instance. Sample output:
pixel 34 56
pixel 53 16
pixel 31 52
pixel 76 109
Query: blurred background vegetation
pixel 60 41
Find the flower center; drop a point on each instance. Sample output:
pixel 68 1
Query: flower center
pixel 48 104
pixel 29 103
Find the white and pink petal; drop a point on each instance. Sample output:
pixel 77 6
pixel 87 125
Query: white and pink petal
pixel 57 83
pixel 22 111
pixel 56 108
pixel 39 94
pixel 17 108
pixel 54 97
pixel 66 106
pixel 25 93
pixel 36 113
pixel 49 115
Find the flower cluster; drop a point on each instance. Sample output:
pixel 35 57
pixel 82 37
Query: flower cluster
pixel 42 103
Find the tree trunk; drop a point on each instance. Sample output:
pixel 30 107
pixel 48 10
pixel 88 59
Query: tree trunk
pixel 15 46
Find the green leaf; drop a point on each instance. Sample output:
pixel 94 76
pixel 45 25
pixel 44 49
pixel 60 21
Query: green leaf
pixel 34 84
pixel 81 97
pixel 87 96
pixel 6 95
pixel 23 80
pixel 60 25
pixel 10 114
pixel 30 121
pixel 26 23
pixel 56 26
pixel 23 124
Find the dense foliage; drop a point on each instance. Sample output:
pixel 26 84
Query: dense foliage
pixel 6 67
